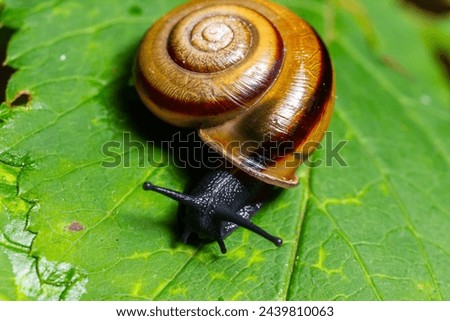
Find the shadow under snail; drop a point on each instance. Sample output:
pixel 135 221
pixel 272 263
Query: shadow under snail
pixel 258 83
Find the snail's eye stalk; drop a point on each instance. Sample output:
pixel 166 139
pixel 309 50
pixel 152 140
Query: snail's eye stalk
pixel 180 197
pixel 246 223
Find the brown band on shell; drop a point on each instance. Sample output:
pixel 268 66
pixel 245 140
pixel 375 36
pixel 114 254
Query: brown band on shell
pixel 202 91
pixel 274 150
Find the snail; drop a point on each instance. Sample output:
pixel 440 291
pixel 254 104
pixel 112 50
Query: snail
pixel 257 81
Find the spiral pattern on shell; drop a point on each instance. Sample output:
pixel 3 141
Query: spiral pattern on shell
pixel 207 43
pixel 207 63
pixel 247 71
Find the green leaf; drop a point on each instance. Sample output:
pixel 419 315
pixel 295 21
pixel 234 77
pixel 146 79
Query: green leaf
pixel 73 228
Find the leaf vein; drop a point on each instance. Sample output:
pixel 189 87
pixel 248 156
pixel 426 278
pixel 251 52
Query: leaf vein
pixel 306 184
pixel 400 203
pixel 355 252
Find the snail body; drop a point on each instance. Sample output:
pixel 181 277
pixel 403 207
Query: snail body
pixel 258 83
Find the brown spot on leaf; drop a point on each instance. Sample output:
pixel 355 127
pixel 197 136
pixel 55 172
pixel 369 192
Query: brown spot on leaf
pixel 75 227
pixel 23 98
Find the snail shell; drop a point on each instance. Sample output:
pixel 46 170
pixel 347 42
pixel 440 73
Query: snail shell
pixel 254 77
